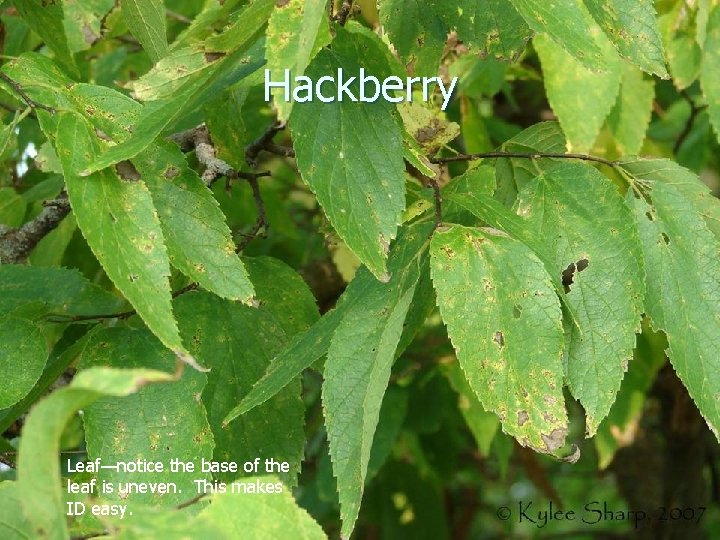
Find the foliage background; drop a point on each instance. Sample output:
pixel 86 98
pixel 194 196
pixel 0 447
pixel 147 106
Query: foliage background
pixel 139 155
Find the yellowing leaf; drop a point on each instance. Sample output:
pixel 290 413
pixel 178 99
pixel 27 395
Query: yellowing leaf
pixel 503 318
pixel 581 98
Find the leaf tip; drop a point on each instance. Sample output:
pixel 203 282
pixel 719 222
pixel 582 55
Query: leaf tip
pixel 190 361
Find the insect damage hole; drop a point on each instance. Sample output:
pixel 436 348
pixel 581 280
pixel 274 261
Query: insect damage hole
pixel 568 275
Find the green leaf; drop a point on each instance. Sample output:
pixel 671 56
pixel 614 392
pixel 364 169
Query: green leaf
pixel 237 343
pixel 158 423
pixel 266 515
pixel 247 26
pixel 479 180
pixel 146 21
pixel 226 517
pixel 620 426
pixel 12 207
pixel 633 29
pixel 83 22
pixel 351 155
pixel 63 354
pixel 38 485
pixel 569 24
pixel 34 292
pixel 291 42
pixel 684 57
pixel 118 219
pixel 199 241
pixel 588 232
pixel 172 73
pixel 158 116
pixel 630 117
pixel 489 27
pixel 13 524
pixel 23 353
pixel 482 424
pixel 283 295
pixel 302 351
pixel 501 311
pixel 46 20
pixel 390 424
pixel 702 16
pixel 581 98
pixel 306 348
pixel 161 524
pixel 513 174
pixel 357 369
pixel 417 31
pixel 684 180
pixel 709 79
pixel 682 261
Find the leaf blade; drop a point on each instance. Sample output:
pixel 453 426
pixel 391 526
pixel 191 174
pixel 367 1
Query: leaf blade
pixel 632 27
pixel 589 233
pixel 519 318
pixel 683 290
pixel 350 154
pixel 146 21
pixel 125 235
pixel 357 370
pixel 23 353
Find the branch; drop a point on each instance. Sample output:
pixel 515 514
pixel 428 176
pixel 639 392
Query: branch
pixel 264 142
pixel 23 95
pixel 437 196
pixel 695 110
pixel 343 14
pixel 105 316
pixel 177 16
pixel 261 223
pixel 523 155
pixel 199 139
pixel 16 244
pixel 431 183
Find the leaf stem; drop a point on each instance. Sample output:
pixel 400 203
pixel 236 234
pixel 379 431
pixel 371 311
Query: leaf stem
pixel 523 155
pixel 695 111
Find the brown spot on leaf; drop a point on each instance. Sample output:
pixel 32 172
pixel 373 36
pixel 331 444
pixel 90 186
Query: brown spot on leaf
pixel 449 252
pixel 555 440
pixel 171 172
pixel 282 3
pixel 102 135
pixel 523 417
pixel 89 34
pixel 499 338
pixel 127 171
pixel 211 57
